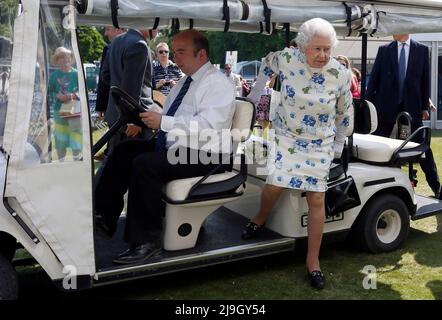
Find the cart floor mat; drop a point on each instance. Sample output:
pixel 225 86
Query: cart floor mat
pixel 222 229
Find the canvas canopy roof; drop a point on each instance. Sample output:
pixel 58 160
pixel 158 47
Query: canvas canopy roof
pixel 378 18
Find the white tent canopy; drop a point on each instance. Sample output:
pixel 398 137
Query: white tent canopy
pixel 379 18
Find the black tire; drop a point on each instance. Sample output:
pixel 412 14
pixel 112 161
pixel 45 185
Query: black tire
pixel 382 225
pixel 8 280
pixel 8 245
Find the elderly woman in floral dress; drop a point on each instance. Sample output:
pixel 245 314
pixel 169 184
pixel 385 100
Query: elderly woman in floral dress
pixel 310 124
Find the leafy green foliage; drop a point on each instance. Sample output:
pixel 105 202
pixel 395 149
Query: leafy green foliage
pixel 8 11
pixel 249 46
pixel 91 43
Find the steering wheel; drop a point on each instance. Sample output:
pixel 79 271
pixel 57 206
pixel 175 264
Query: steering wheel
pixel 128 108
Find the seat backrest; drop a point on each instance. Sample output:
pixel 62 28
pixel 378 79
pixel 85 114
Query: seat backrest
pixel 365 117
pixel 243 120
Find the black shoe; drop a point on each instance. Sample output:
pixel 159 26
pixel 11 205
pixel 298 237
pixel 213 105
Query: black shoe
pixel 437 194
pixel 102 229
pixel 317 279
pixel 252 230
pixel 138 253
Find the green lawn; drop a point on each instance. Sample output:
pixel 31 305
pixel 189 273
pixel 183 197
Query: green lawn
pixel 413 272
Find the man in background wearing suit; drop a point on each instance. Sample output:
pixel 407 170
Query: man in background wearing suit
pixel 400 81
pixel 128 66
pixel 102 87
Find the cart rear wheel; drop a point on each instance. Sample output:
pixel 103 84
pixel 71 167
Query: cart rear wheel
pixel 383 224
pixel 8 280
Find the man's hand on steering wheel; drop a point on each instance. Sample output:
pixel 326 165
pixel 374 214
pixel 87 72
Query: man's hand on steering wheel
pixel 151 119
pixel 132 130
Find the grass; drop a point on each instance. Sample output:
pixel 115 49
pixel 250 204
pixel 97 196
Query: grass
pixel 412 272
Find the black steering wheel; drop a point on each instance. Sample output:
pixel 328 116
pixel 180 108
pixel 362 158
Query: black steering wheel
pixel 128 108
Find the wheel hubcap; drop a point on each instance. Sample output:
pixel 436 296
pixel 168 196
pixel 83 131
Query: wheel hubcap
pixel 388 226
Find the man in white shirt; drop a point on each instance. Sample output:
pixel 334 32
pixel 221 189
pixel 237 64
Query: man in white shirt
pixel 203 99
pixel 234 79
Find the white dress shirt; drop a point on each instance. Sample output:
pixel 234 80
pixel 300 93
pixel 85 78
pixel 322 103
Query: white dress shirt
pixel 208 104
pixel 407 52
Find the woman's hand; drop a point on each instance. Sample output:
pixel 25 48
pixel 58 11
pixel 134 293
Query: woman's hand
pixel 64 97
pixel 161 83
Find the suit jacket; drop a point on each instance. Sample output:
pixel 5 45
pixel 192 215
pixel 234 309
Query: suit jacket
pixel 383 86
pixel 102 87
pixel 128 66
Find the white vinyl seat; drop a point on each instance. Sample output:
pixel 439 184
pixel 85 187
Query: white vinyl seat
pixel 380 150
pixel 178 190
pixel 189 201
pixel 377 149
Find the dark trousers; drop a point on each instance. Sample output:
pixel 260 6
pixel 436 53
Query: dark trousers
pixel 135 166
pixel 427 164
pixel 121 136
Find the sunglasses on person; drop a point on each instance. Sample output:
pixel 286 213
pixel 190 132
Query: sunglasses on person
pixel 163 51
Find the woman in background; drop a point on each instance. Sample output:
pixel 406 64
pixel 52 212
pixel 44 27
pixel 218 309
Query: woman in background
pixel 355 82
pixel 165 72
pixel 63 89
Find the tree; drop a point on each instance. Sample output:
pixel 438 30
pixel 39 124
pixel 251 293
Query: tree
pixel 8 12
pixel 91 43
pixel 249 46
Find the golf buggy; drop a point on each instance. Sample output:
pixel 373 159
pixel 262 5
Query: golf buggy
pixel 48 199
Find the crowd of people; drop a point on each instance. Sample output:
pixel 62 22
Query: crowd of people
pixel 138 163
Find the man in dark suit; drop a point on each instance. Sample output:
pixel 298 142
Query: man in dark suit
pixel 400 81
pixel 102 87
pixel 128 66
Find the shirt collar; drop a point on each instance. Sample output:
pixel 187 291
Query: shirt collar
pixel 406 42
pixel 200 72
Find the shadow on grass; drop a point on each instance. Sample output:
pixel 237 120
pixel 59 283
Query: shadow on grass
pixel 281 276
pixel 427 247
pixel 436 289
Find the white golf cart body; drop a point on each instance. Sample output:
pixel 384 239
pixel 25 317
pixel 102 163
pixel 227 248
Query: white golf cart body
pixel 48 203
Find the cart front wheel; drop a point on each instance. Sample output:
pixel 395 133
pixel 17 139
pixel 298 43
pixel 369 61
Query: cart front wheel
pixel 8 280
pixel 383 224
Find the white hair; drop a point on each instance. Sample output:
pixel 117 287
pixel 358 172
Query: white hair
pixel 315 27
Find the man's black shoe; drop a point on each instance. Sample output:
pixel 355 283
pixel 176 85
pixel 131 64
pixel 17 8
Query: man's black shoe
pixel 138 253
pixel 102 229
pixel 437 194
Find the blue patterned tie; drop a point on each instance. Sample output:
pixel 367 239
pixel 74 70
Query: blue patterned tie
pixel 402 72
pixel 160 144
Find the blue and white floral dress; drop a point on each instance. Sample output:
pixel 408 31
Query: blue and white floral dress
pixel 310 121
